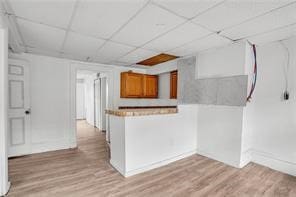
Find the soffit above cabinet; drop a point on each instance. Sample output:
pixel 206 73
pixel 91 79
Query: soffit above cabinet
pixel 161 58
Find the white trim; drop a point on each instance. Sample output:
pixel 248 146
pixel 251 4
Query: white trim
pixel 100 68
pixel 114 165
pixel 153 165
pixel 268 160
pixel 218 158
pixel 50 146
pixel 246 158
pixel 4 184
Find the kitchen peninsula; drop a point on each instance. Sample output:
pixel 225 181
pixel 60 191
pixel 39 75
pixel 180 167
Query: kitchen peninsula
pixel 145 138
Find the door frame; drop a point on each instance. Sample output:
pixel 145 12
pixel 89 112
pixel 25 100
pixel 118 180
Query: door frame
pixel 4 183
pixel 98 68
pixel 97 119
pixel 102 95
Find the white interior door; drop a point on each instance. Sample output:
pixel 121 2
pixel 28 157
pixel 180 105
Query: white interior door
pixel 19 138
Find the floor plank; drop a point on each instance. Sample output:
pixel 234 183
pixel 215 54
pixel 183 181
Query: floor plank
pixel 85 171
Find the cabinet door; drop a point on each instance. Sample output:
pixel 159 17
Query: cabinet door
pixel 151 86
pixel 131 85
pixel 174 84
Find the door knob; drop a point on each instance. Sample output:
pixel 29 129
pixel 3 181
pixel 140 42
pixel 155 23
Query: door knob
pixel 28 111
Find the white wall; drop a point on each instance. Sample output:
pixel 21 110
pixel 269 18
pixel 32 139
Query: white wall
pixel 164 85
pixel 221 62
pixel 219 133
pixel 220 128
pixel 270 120
pixel 163 67
pixel 80 99
pixel 4 185
pixel 267 124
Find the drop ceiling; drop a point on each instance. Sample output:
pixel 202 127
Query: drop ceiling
pixel 124 32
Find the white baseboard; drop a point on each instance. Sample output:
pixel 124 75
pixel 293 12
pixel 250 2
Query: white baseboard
pixel 259 157
pixel 246 158
pixel 5 189
pixel 159 164
pixel 73 143
pixel 268 160
pixel 121 171
pixel 153 165
pixel 50 146
pixel 219 158
pixel 8 187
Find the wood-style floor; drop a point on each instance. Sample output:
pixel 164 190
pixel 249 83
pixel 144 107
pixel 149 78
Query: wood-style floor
pixel 86 172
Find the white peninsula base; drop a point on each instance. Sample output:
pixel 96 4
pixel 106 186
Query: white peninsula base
pixel 141 143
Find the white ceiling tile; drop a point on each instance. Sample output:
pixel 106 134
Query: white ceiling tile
pixel 208 42
pixel 268 22
pixel 232 12
pixel 187 8
pixel 272 36
pixel 177 37
pixel 41 36
pixel 103 18
pixel 148 24
pixel 138 55
pixel 52 12
pixel 73 57
pixel 112 51
pixel 43 52
pixel 119 63
pixel 83 46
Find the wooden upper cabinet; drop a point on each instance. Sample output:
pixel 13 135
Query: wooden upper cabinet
pixel 131 85
pixel 150 86
pixel 174 84
pixel 136 85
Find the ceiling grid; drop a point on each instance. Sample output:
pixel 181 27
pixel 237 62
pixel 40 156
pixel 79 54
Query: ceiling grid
pixel 136 30
pixel 69 26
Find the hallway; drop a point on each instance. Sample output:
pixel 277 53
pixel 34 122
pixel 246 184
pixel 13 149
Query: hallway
pixel 85 171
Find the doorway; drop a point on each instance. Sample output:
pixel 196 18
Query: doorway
pixel 101 101
pixel 91 102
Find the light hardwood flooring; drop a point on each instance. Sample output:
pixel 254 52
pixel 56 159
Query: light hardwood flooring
pixel 85 171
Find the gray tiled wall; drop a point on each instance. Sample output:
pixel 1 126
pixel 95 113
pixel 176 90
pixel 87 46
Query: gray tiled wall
pixel 230 91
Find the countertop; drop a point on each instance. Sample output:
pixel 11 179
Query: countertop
pixel 142 111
